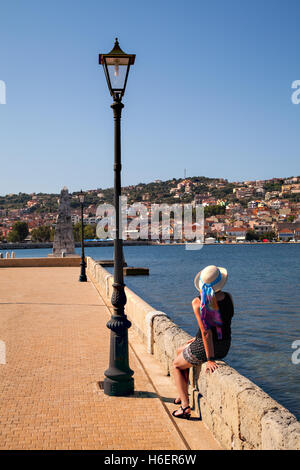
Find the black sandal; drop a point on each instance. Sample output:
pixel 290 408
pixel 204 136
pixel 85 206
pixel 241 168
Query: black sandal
pixel 184 414
pixel 177 402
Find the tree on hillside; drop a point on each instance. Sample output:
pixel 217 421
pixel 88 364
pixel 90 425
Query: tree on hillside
pixel 18 233
pixel 89 232
pixel 251 235
pixel 41 234
pixel 77 232
pixel 214 210
pixel 273 186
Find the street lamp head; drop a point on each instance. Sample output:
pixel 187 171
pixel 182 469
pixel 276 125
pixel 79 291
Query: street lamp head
pixel 81 197
pixel 116 67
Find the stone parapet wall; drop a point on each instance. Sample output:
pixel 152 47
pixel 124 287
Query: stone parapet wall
pixel 239 413
pixel 68 261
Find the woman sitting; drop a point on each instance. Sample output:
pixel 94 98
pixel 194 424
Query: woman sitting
pixel 213 310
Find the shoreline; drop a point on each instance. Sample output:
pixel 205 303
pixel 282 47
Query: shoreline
pixel 33 246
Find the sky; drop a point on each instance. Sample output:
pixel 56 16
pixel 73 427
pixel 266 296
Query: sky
pixel 209 93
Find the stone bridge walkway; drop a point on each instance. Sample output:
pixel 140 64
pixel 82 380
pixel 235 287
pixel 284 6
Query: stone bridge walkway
pixel 57 348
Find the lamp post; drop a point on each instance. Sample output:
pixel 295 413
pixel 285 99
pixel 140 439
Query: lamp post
pixel 82 277
pixel 118 377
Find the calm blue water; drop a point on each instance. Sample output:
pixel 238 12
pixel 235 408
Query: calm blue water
pixel 264 282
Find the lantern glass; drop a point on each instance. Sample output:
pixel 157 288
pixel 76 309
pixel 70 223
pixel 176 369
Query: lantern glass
pixel 117 72
pixel 116 66
pixel 81 198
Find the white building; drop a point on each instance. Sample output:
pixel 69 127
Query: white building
pixel 75 219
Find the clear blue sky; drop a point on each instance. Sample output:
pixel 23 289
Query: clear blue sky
pixel 210 91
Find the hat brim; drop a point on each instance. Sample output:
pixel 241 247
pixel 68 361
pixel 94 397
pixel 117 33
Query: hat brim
pixel 216 287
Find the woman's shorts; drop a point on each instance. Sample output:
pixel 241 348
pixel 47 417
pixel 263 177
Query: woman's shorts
pixel 195 354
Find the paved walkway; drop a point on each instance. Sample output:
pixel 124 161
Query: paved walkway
pixel 57 348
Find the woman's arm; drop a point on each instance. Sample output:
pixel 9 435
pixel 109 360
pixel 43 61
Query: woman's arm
pixel 206 336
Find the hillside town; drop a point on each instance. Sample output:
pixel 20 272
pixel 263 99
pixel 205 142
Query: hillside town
pixel 264 210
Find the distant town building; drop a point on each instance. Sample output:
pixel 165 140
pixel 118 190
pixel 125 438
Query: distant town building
pixel 235 231
pixel 290 188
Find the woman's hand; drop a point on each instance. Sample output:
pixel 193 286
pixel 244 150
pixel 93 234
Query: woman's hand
pixel 211 366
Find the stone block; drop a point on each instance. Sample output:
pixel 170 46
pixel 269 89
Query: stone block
pixel 221 390
pixel 207 414
pixel 280 431
pixel 253 405
pixel 232 385
pixel 222 431
pixel 172 339
pixel 161 357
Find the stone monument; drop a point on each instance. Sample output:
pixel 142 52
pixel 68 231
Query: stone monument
pixel 63 243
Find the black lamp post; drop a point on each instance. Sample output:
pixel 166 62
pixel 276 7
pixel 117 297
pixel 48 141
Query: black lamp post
pixel 82 277
pixel 118 377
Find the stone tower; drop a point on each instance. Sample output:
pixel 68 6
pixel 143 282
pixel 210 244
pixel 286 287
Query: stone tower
pixel 63 237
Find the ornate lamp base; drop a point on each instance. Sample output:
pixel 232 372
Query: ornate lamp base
pixel 115 388
pixel 118 377
pixel 82 277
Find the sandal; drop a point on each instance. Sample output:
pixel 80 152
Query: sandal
pixel 184 414
pixel 177 402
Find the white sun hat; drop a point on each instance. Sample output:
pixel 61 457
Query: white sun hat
pixel 214 275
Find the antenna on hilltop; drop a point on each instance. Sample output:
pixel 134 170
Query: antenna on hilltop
pixel 184 173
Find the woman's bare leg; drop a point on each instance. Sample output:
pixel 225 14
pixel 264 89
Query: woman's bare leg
pixel 185 373
pixel 181 367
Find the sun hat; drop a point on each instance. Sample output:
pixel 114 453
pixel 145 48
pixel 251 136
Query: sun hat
pixel 212 275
